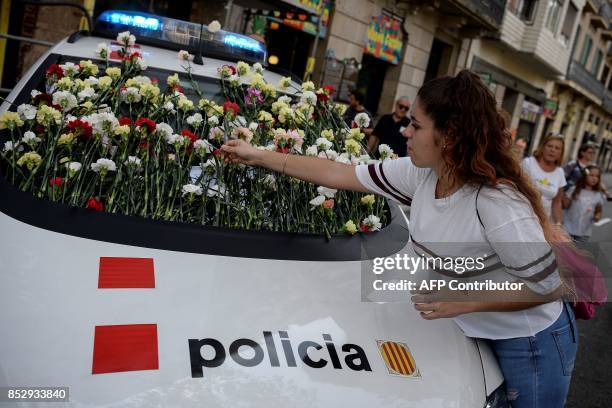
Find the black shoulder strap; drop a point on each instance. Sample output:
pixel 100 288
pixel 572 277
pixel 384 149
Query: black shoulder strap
pixel 477 213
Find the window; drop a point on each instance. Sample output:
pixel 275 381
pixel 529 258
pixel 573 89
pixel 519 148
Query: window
pixel 524 9
pixel 597 63
pixel 576 39
pixel 553 15
pixel 586 50
pixel 568 24
pixel 604 74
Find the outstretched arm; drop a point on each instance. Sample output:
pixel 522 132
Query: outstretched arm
pixel 312 169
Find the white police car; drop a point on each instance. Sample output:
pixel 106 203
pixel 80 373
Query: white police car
pixel 128 312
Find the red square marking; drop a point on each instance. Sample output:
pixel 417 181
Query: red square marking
pixel 131 347
pixel 126 273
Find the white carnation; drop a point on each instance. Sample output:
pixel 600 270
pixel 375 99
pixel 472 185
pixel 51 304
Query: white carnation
pixel 195 120
pixel 362 120
pixel 191 189
pixel 213 121
pixel 308 97
pixel 317 201
pixel 372 222
pixel 26 111
pixel 126 38
pixel 327 192
pixel 103 165
pixel 86 93
pixel 65 99
pixel 312 151
pixel 30 138
pixel 164 130
pixel 324 144
pixel 133 161
pixel 213 26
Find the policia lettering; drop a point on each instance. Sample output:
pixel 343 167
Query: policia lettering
pixel 355 359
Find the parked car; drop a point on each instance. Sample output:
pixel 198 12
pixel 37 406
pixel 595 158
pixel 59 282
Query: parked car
pixel 130 312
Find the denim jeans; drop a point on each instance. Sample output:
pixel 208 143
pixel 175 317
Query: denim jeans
pixel 538 369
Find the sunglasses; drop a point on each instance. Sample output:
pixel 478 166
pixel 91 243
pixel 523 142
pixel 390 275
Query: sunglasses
pixel 403 107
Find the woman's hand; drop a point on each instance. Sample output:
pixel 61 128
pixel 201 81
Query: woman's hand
pixel 431 308
pixel 241 152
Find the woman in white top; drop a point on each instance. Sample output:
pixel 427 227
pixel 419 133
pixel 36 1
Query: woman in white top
pixel 466 187
pixel 545 171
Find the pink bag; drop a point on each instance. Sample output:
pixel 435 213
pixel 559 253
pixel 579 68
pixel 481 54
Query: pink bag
pixel 585 283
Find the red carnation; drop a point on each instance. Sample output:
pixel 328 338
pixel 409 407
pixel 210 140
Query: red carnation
pixel 80 129
pixel 363 227
pixel 328 89
pixel 284 150
pixel 147 123
pixel 322 96
pixel 154 80
pixel 190 135
pixel 55 181
pixel 135 54
pixel 178 88
pixel 124 120
pixel 231 106
pixel 94 204
pixel 217 152
pixel 56 70
pixel 43 99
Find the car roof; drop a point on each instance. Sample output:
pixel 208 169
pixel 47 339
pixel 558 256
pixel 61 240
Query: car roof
pixel 85 48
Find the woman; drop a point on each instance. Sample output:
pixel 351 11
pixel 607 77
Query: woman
pixel 465 187
pixel 584 204
pixel 545 171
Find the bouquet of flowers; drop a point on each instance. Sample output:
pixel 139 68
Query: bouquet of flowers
pixel 109 138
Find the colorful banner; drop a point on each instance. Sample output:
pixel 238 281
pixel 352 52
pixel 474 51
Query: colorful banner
pixel 550 108
pixel 385 37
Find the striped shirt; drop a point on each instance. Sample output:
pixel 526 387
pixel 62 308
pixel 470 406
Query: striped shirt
pixel 511 243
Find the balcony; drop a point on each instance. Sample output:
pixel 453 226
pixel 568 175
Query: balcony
pixel 582 77
pixel 487 13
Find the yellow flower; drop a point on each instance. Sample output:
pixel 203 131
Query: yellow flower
pixel 30 159
pixel 87 104
pixel 65 84
pixel 355 134
pixel 105 82
pixel 242 68
pixel 308 86
pixel 65 139
pixel 184 104
pixel 113 72
pixel 123 130
pixel 173 80
pixel 257 81
pixel 10 120
pixel 88 67
pixel 265 117
pixel 149 91
pixel 269 90
pixel 340 108
pixel 350 227
pixel 368 200
pixel 47 115
pixel 352 146
pixel 328 134
pixel 284 82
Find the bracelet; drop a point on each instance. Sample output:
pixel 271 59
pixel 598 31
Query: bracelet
pixel 285 162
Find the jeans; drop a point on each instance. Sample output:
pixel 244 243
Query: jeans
pixel 538 369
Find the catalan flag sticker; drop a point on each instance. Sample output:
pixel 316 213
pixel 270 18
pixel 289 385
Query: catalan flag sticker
pixel 398 359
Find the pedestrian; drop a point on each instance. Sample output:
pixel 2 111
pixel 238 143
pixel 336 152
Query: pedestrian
pixel 356 100
pixel 389 129
pixel 574 169
pixel 548 177
pixel 584 203
pixel 466 188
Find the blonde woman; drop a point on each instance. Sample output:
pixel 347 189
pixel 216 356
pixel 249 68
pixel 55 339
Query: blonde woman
pixel 544 169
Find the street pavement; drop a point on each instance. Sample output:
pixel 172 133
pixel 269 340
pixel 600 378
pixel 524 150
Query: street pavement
pixel 591 385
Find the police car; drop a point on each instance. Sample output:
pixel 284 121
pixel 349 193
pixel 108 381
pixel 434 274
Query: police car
pixel 128 312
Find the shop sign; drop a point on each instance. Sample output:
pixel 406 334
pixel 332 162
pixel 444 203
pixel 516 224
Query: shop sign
pixel 385 37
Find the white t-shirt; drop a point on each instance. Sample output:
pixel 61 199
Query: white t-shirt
pixel 578 219
pixel 512 241
pixel 548 182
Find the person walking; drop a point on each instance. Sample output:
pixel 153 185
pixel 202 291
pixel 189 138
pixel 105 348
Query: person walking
pixel 574 169
pixel 466 188
pixel 356 100
pixel 584 203
pixel 389 129
pixel 543 168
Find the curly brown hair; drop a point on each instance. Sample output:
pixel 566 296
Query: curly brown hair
pixel 478 142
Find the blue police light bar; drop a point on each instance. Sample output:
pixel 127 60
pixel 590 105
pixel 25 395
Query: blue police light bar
pixel 132 20
pixel 175 34
pixel 243 42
